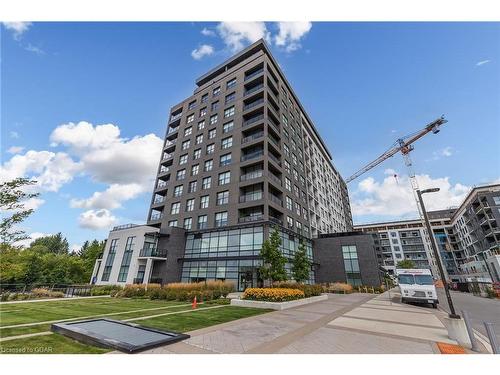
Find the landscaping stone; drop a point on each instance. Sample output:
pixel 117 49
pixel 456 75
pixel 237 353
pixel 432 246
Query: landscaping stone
pixel 278 305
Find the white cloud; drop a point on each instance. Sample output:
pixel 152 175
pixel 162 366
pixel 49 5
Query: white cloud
pixel 17 28
pixel 51 170
pixel 444 152
pixel 236 34
pixel 290 34
pixel 32 48
pixel 14 135
pixel 447 151
pixel 111 198
pixel 202 51
pixel 96 219
pixel 74 248
pixel 479 63
pixel 33 203
pixel 393 197
pixel 15 149
pixel 31 237
pixel 208 32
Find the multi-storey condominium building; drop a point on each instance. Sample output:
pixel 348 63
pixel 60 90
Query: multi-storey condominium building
pixel 468 238
pixel 240 155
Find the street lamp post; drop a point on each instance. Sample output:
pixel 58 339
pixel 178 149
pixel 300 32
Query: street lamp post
pixel 452 314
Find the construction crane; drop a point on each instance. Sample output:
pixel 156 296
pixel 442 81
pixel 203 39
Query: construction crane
pixel 405 146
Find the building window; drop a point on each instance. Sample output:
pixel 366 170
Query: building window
pixel 226 142
pixel 210 149
pixel 190 118
pixel 222 198
pixel 204 201
pixel 203 111
pixel 186 144
pixel 224 178
pixel 199 139
pixel 289 222
pixel 201 125
pixel 188 131
pixel 227 127
pixel 288 184
pixel 192 187
pixel 214 106
pixel 230 97
pixel 213 119
pixel 195 169
pixel 183 159
pixel 127 256
pixel 295 174
pixel 212 133
pixel 192 104
pixel 353 274
pixel 221 219
pixel 496 200
pixel 181 175
pixel 109 260
pixel 286 150
pixel 178 191
pixel 174 209
pixel 209 164
pixel 231 83
pixel 288 203
pixel 204 98
pixel 190 205
pixel 216 91
pixel 206 183
pixel 172 223
pixel 202 221
pixel 287 166
pixel 228 112
pixel 225 160
pixel 188 223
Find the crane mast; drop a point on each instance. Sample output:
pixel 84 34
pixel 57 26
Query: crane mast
pixel 404 145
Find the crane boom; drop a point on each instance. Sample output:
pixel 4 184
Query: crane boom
pixel 403 145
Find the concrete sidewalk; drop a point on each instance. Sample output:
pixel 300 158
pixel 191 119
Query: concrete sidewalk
pixel 343 324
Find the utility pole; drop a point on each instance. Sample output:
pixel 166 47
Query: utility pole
pixel 452 314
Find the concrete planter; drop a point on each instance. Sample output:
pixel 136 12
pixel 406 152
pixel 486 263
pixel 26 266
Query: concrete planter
pixel 277 305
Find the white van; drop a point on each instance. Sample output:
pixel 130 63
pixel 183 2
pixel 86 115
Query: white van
pixel 417 285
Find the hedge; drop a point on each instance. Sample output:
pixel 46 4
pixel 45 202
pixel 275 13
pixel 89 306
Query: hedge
pixel 308 289
pixel 273 294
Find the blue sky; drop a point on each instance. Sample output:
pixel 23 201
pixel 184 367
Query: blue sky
pixel 363 84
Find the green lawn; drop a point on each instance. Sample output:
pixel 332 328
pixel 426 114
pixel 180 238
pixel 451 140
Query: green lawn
pixel 35 312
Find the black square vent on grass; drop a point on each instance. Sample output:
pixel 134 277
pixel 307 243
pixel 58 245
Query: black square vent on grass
pixel 109 333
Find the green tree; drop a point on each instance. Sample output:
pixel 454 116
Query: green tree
pixel 12 197
pixel 56 244
pixel 301 264
pixel 273 268
pixel 89 252
pixel 406 264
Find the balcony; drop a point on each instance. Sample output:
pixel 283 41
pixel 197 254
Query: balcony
pixel 167 156
pixel 250 218
pixel 274 178
pixel 250 197
pixel 253 155
pixel 159 199
pixel 164 169
pixel 253 120
pixel 251 175
pixel 274 158
pixel 169 144
pixel 254 74
pixel 252 137
pixel 151 252
pixel 275 199
pixel 253 89
pixel 175 117
pixel 275 220
pixel 253 104
pixel 156 216
pixel 161 184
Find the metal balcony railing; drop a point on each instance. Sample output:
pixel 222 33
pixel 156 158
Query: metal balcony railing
pixel 253 120
pixel 253 89
pixel 276 199
pixel 253 155
pixel 250 197
pixel 156 216
pixel 254 74
pixel 252 137
pixel 176 117
pixel 246 219
pixel 253 104
pixel 251 175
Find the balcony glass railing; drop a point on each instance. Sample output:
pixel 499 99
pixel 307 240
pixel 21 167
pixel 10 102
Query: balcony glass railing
pixel 253 89
pixel 153 252
pixel 253 120
pixel 251 175
pixel 162 183
pixel 276 199
pixel 275 178
pixel 253 104
pixel 274 158
pixel 167 156
pixel 246 219
pixel 253 155
pixel 159 200
pixel 156 216
pixel 252 137
pixel 175 117
pixel 254 74
pixel 250 197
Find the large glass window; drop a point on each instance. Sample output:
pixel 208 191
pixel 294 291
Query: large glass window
pixel 206 183
pixel 225 159
pixel 202 221
pixel 109 260
pixel 224 178
pixel 127 256
pixel 221 219
pixel 227 127
pixel 351 264
pixel 188 223
pixel 178 191
pixel 190 205
pixel 222 198
pixel 204 201
pixel 175 208
pixel 226 142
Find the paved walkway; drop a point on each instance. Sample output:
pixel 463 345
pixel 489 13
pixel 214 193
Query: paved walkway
pixel 353 323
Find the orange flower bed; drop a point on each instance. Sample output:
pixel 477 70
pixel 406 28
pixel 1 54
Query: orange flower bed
pixel 273 294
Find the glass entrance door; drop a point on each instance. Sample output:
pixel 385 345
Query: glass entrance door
pixel 245 280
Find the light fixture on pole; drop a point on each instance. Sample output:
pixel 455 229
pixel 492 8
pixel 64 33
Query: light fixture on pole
pixel 452 314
